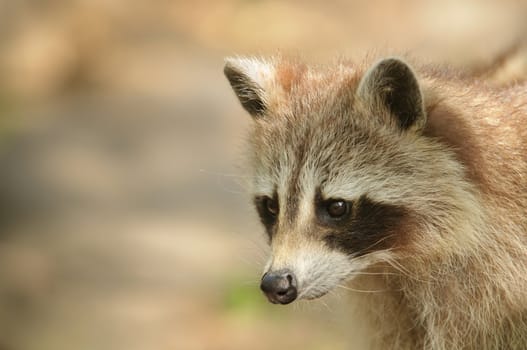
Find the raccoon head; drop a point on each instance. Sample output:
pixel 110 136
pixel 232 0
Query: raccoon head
pixel 342 173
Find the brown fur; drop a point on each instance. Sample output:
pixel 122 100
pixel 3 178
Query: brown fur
pixel 457 276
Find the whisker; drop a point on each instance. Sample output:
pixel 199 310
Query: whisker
pixel 325 305
pixel 377 242
pixel 360 273
pixel 260 250
pixel 396 265
pixel 218 180
pixel 365 291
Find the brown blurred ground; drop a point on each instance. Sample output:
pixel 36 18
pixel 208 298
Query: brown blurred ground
pixel 123 224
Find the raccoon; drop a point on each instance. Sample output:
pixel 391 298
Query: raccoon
pixel 403 179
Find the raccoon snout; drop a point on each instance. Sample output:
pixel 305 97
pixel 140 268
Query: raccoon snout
pixel 279 286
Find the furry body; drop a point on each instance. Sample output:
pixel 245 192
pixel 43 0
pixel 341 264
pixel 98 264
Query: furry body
pixel 433 166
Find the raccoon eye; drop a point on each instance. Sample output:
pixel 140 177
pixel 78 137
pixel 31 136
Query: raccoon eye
pixel 268 210
pixel 337 208
pixel 271 205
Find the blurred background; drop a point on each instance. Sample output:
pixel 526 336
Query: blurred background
pixel 123 224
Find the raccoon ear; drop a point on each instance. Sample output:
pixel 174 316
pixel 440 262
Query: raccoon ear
pixel 391 84
pixel 248 78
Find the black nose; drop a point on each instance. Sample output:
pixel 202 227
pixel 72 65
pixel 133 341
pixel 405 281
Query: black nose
pixel 279 286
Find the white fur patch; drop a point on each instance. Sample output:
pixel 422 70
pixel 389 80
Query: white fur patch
pixel 319 270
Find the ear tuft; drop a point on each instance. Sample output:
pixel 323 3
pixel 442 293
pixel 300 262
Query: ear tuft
pixel 391 84
pixel 247 78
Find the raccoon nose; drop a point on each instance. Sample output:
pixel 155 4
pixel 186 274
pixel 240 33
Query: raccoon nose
pixel 279 286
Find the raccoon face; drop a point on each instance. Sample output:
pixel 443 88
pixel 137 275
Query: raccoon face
pixel 335 168
pixel 337 238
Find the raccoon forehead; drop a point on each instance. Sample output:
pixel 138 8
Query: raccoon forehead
pixel 313 138
pixel 320 142
pixel 341 164
pixel 348 184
